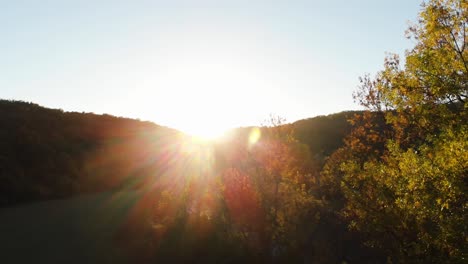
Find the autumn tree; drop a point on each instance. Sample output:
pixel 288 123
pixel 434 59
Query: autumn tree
pixel 268 195
pixel 410 194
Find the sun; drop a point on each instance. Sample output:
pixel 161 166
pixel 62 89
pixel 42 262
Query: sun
pixel 205 132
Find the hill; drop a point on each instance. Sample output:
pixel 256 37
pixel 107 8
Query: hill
pixel 48 153
pixel 324 134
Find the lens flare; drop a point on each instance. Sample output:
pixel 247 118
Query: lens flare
pixel 254 136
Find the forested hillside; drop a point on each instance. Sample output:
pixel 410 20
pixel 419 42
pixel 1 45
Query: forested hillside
pixel 48 153
pixel 324 134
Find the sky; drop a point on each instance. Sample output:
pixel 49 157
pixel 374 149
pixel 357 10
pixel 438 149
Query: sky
pixel 197 65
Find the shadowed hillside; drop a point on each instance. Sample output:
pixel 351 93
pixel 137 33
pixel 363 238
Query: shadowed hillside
pixel 324 134
pixel 48 153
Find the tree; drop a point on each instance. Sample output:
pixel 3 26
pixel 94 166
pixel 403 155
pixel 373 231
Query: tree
pixel 268 193
pixel 246 200
pixel 406 186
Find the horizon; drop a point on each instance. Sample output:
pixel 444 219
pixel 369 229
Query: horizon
pixel 155 123
pixel 200 68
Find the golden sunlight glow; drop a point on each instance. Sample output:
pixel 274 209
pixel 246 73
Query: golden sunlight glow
pixel 209 89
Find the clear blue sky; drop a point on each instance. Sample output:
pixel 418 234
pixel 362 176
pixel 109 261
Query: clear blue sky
pixel 190 63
